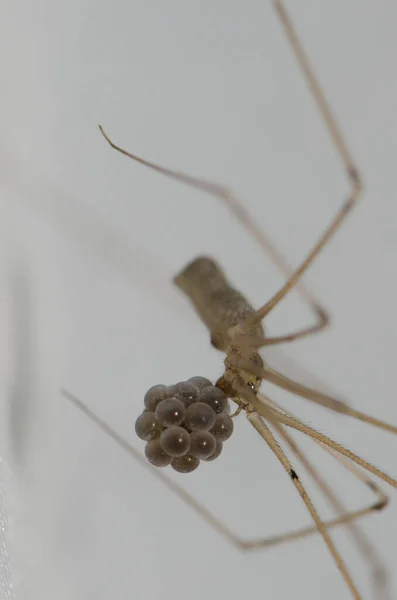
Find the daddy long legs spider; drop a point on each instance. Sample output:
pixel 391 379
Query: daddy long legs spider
pixel 237 330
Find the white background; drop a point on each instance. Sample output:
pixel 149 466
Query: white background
pixel 90 243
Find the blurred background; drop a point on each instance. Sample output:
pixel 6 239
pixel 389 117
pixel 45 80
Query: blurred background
pixel 90 241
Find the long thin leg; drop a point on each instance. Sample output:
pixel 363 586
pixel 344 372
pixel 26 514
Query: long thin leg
pixel 253 321
pixel 344 519
pixel 354 470
pixel 213 521
pixel 379 573
pixel 296 424
pixel 269 438
pixel 298 389
pixel 323 399
pixel 367 549
pixel 276 417
pixel 348 163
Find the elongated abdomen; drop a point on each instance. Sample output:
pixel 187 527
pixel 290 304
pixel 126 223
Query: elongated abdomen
pixel 217 302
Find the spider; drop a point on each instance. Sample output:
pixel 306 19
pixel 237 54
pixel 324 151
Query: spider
pixel 188 422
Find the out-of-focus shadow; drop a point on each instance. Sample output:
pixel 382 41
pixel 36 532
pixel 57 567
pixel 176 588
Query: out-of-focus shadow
pixel 22 382
pixel 80 222
pixel 16 413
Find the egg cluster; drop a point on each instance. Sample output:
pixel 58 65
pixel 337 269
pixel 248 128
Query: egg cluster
pixel 184 423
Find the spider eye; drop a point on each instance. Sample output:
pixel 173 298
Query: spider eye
pixel 251 385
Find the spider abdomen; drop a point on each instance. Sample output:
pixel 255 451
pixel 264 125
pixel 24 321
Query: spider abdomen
pixel 219 305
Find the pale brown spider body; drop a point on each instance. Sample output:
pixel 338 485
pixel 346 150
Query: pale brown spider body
pixel 196 406
pixel 221 308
